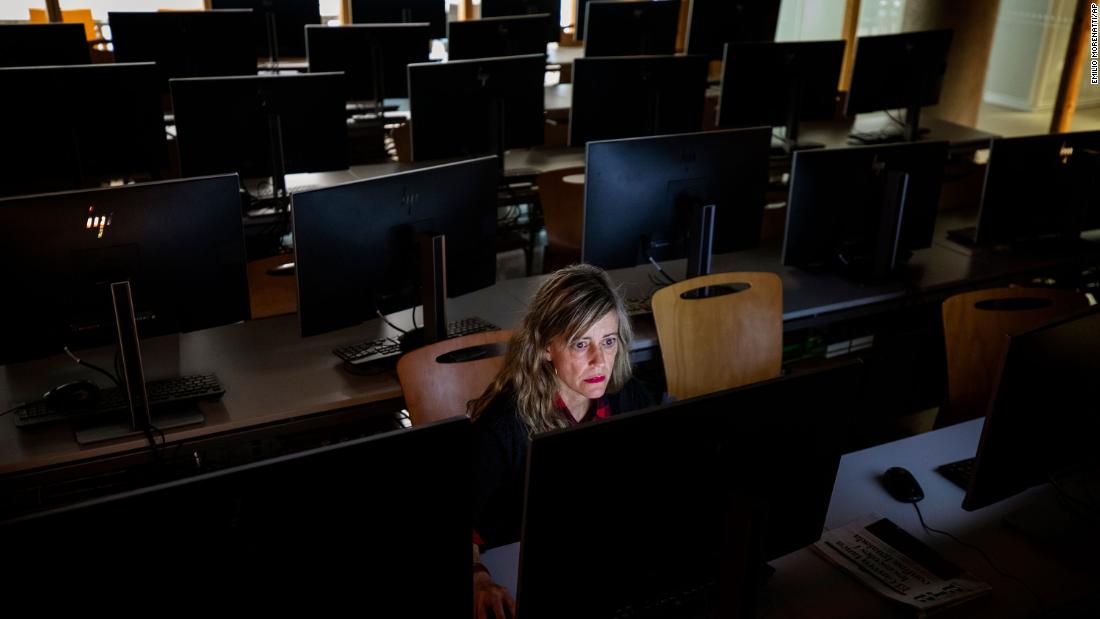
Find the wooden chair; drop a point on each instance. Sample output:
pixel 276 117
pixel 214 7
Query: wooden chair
pixel 724 341
pixel 975 325
pixel 435 389
pixel 70 16
pixel 561 193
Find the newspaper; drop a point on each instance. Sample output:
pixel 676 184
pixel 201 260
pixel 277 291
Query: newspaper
pixel 897 565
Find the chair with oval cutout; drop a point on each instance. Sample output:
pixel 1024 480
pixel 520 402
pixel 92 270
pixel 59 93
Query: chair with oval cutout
pixel 731 336
pixel 561 193
pixel 975 326
pixel 439 379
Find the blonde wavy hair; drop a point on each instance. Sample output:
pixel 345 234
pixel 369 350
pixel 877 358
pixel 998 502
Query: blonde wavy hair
pixel 566 306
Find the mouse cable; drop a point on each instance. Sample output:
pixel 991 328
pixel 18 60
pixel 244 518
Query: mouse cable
pixel 387 321
pixel 661 271
pixel 1038 598
pixel 92 366
pixel 12 410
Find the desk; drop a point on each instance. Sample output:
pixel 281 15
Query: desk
pixel 805 585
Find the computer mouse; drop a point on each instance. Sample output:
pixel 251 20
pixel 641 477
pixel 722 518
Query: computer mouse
pixel 901 485
pixel 77 395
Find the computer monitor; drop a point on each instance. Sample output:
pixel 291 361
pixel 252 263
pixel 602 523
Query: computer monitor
pixel 261 125
pixel 476 107
pixel 80 126
pixel 640 195
pixel 492 37
pixel 433 12
pixel 579 18
pixel 861 210
pixel 780 85
pixel 373 57
pixel 186 43
pixel 37 45
pixel 713 23
pixel 898 71
pixel 631 28
pixel 297 519
pixel 1038 187
pixel 636 96
pixel 283 21
pixel 358 245
pixel 1042 420
pixel 504 8
pixel 179 243
pixel 688 496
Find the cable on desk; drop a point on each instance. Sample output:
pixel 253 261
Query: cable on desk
pixel 91 366
pixel 387 321
pixel 12 410
pixel 1038 598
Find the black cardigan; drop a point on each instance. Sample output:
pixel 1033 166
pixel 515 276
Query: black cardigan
pixel 500 461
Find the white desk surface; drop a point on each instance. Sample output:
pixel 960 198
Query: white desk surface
pixel 806 586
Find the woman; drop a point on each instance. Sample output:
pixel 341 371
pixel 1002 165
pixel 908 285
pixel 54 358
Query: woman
pixel 567 364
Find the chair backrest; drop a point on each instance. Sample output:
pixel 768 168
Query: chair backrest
pixel 69 16
pixel 561 193
pixel 974 327
pixel 436 389
pixel 724 341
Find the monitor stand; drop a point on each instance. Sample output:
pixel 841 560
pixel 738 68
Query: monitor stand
pixel 790 141
pixel 433 287
pixel 132 381
pixel 886 254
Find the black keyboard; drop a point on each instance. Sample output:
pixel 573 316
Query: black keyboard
pixel 694 602
pixel 389 347
pixel 959 472
pixel 177 390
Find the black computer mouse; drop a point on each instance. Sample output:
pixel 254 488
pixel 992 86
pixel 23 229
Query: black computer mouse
pixel 901 485
pixel 77 395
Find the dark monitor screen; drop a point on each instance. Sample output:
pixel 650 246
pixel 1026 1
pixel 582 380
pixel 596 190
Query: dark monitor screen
pixel 1040 186
pixel 80 126
pixel 636 96
pixel 460 108
pixel 296 519
pixel 372 56
pixel 433 12
pixel 497 36
pixel 632 28
pixel 767 83
pixel 179 243
pixel 36 45
pixel 223 123
pixel 503 8
pixel 895 71
pixel 682 494
pixel 639 193
pixel 843 208
pixel 1042 421
pixel 357 248
pixel 187 43
pixel 713 23
pixel 290 19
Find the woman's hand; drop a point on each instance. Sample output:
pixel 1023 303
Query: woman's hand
pixel 491 601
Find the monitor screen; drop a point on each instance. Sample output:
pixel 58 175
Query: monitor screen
pixel 497 36
pixel 848 205
pixel 684 495
pixel 503 8
pixel 667 95
pixel 461 108
pixel 1040 186
pixel 767 83
pixel 290 17
pixel 898 71
pixel 223 123
pixel 297 519
pixel 36 45
pixel 357 245
pixel 373 57
pixel 1042 421
pixel 171 38
pixel 713 23
pixel 433 12
pixel 80 126
pixel 639 194
pixel 179 243
pixel 632 28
